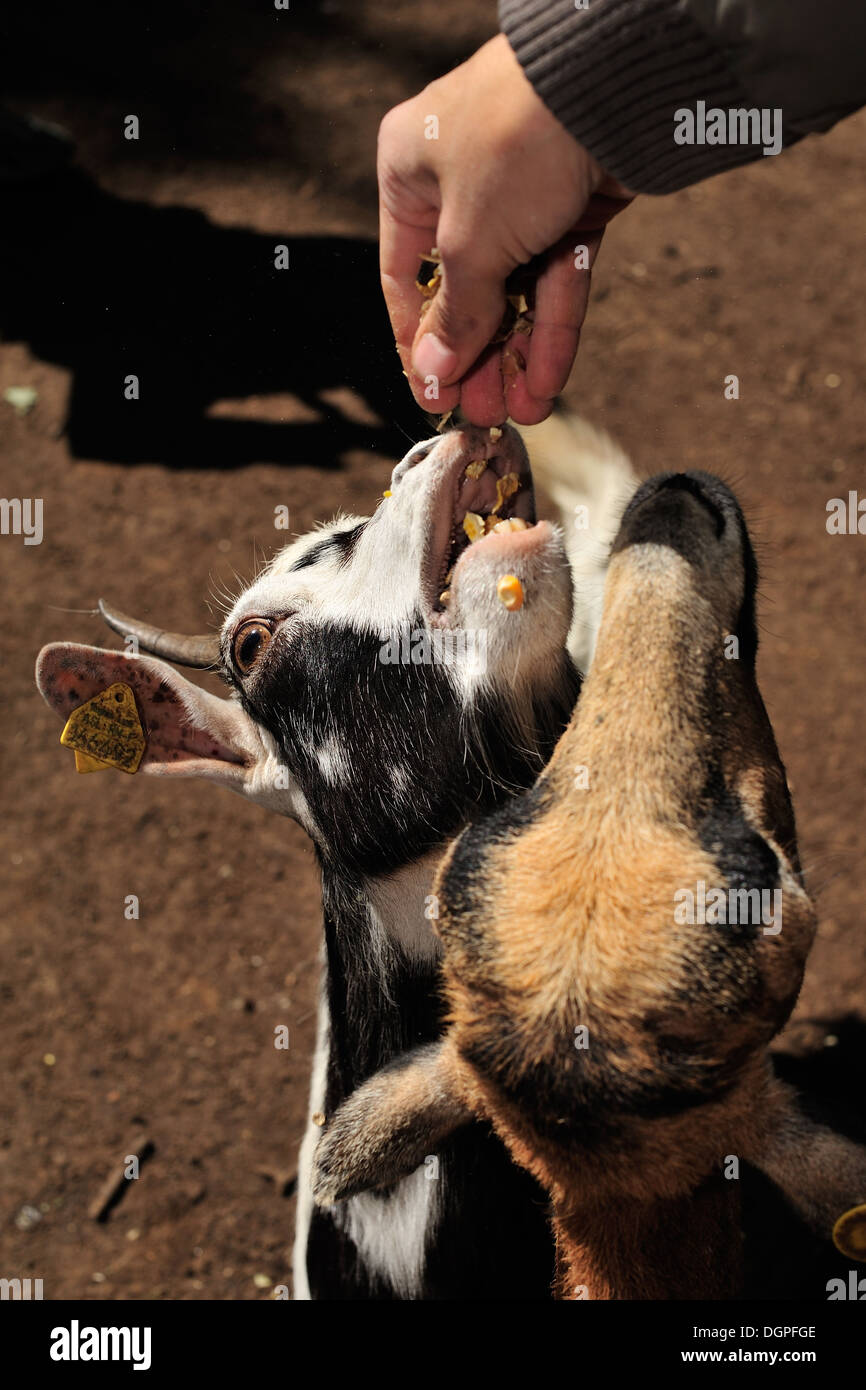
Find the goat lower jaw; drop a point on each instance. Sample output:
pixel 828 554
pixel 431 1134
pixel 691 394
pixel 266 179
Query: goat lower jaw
pixel 496 513
pixel 504 526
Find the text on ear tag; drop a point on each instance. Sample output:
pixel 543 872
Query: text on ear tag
pixel 107 731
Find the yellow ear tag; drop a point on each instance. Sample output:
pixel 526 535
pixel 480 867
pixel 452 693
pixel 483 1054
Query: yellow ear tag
pixel 849 1233
pixel 106 732
pixel 84 763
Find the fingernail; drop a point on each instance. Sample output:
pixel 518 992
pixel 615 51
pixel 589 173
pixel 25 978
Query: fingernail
pixel 432 358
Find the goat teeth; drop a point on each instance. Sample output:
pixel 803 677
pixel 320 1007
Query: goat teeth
pixel 449 576
pixel 510 523
pixel 510 592
pixel 495 433
pixel 476 468
pixel 473 525
pixel 445 597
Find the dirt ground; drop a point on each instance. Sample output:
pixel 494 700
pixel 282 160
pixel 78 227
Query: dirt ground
pixel 155 257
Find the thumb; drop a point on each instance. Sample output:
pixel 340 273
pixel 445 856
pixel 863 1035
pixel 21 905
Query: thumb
pixel 460 322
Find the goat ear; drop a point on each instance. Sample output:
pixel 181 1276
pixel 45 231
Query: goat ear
pixel 820 1172
pixel 188 732
pixel 390 1125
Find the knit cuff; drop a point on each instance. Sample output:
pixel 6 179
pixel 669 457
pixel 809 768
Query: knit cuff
pixel 616 72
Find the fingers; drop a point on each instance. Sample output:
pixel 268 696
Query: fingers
pixel 482 398
pixel 446 355
pixel 402 247
pixel 561 297
pixel 520 406
pixel 431 193
pixel 458 326
pixel 408 216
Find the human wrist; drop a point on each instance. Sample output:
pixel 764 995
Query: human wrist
pixel 615 73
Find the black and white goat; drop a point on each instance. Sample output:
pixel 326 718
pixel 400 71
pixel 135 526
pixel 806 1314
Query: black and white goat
pixel 383 722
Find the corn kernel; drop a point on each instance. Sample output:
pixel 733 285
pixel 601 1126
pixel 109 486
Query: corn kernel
pixel 510 592
pixel 473 525
pixel 506 486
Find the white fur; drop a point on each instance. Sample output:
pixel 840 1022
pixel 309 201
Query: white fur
pixel 397 904
pixel 333 762
pixel 391 1232
pixel 579 465
pixel 304 1204
pixel 401 778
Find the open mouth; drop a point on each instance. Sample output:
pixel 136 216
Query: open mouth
pixel 481 497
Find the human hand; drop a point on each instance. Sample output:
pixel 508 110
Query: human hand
pixel 501 183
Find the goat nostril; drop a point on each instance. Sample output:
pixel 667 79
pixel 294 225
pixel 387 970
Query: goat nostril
pixel 415 455
pixel 420 451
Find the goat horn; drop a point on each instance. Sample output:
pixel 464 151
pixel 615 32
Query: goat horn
pixel 174 646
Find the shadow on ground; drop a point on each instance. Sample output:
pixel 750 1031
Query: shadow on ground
pixel 199 313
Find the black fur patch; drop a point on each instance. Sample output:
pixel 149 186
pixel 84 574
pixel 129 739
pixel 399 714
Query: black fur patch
pixel 380 1006
pixel 417 769
pixel 744 858
pixel 342 541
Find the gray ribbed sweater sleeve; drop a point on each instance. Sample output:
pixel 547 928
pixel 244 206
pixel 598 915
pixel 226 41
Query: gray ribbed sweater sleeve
pixel 616 72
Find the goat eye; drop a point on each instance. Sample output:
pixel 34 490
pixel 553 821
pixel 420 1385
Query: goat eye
pixel 248 643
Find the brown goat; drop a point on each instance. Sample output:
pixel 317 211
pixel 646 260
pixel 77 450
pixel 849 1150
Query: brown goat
pixel 618 1047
